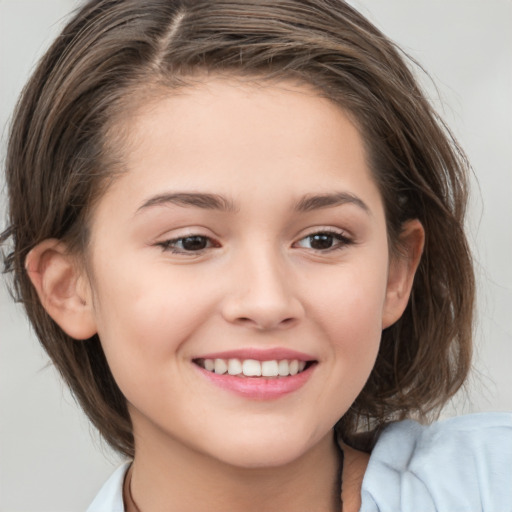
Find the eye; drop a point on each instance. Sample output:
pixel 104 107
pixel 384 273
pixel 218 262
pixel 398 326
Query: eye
pixel 324 241
pixel 188 244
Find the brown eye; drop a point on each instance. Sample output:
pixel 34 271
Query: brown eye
pixel 324 241
pixel 321 241
pixel 187 244
pixel 194 243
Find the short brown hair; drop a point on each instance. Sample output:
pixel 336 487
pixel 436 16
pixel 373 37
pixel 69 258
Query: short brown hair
pixel 60 156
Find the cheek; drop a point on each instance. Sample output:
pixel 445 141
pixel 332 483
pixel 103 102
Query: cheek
pixel 352 299
pixel 145 316
pixel 349 308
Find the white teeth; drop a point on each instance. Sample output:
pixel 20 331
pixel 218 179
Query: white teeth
pixel 253 368
pixel 269 369
pixel 283 368
pixel 220 366
pixel 234 367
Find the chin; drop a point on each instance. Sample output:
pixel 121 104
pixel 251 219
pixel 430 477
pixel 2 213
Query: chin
pixel 265 451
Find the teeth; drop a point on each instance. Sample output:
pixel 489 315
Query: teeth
pixel 234 366
pixel 252 367
pixel 283 368
pixel 220 366
pixel 269 369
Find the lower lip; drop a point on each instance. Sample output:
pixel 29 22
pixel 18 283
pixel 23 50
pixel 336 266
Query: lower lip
pixel 259 388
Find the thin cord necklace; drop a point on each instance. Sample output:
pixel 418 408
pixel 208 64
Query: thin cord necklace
pixel 341 460
pixel 341 457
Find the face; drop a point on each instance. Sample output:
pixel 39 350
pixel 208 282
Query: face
pixel 246 235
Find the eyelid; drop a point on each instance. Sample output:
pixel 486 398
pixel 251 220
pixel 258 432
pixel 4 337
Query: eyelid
pixel 315 230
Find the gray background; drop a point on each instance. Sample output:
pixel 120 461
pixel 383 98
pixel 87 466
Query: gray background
pixel 51 460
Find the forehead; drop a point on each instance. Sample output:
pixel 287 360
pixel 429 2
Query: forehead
pixel 228 134
pixel 224 113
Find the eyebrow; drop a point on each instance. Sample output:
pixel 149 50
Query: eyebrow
pixel 218 202
pixel 319 201
pixel 197 199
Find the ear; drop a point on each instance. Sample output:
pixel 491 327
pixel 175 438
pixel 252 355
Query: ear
pixel 62 287
pixel 402 269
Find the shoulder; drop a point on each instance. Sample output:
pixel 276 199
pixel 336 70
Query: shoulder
pixel 110 496
pixel 461 464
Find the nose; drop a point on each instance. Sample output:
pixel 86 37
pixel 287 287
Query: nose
pixel 262 294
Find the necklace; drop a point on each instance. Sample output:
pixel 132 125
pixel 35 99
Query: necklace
pixel 339 480
pixel 133 506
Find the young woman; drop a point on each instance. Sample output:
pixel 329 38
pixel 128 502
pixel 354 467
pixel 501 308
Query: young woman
pixel 238 232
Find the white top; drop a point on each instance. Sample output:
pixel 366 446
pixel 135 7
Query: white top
pixel 463 464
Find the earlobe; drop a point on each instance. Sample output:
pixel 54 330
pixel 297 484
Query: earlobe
pixel 62 288
pixel 402 269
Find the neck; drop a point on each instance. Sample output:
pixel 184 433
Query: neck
pixel 177 478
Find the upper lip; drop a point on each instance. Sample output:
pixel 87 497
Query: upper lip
pixel 259 354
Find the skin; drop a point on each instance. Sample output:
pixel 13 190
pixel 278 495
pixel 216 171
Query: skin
pixel 259 282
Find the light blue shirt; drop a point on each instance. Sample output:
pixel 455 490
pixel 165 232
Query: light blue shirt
pixel 463 464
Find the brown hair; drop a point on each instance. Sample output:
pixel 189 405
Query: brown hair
pixel 60 156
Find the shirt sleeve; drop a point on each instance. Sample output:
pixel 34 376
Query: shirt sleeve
pixel 459 465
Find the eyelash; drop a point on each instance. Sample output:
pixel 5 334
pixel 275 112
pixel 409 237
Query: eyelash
pixel 339 238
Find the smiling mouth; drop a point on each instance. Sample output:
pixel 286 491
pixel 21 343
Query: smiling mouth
pixel 253 368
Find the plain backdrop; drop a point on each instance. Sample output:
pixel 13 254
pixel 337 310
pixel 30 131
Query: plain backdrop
pixel 50 459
